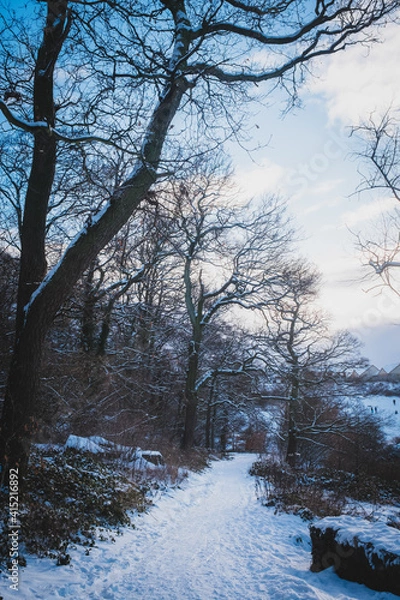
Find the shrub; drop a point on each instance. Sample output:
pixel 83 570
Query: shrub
pixel 66 496
pixel 294 491
pixel 321 492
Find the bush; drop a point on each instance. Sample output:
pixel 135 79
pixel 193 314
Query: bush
pixel 294 491
pixel 362 486
pixel 66 496
pixel 321 492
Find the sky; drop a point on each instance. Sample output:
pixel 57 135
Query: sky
pixel 310 161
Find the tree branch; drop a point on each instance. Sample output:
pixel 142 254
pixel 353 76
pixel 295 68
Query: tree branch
pixel 35 127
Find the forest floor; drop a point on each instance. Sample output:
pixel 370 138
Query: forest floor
pixel 212 539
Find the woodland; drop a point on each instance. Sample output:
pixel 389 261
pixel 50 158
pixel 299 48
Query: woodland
pixel 143 300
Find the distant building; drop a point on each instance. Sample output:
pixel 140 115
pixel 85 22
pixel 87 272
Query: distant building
pixel 354 376
pixel 369 373
pixel 394 374
pixel 372 373
pixel 382 374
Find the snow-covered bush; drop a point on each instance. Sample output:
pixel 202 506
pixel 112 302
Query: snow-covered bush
pixel 68 495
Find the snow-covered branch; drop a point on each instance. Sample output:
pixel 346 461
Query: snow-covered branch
pixel 35 127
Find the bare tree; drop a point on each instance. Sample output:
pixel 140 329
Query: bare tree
pixel 226 382
pixel 132 67
pixel 380 156
pixel 129 259
pixel 308 359
pixel 223 383
pixel 228 258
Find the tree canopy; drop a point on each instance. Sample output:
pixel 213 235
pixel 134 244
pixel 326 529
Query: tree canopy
pixel 142 85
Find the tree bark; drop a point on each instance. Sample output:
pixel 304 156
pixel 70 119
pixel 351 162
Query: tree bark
pixel 88 328
pixel 33 263
pixel 291 451
pixel 224 431
pixel 209 439
pixel 18 418
pixel 191 397
pixel 18 421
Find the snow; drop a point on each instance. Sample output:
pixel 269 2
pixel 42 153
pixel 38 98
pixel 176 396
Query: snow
pixel 154 453
pixel 99 445
pixel 182 19
pixel 210 540
pixel 349 529
pixel 385 409
pixel 94 444
pixel 147 460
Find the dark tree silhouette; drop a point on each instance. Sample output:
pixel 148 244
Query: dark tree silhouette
pixel 130 69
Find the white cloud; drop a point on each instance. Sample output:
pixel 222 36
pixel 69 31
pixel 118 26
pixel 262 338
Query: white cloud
pixel 266 177
pixel 367 212
pixel 353 300
pixel 326 187
pixel 361 81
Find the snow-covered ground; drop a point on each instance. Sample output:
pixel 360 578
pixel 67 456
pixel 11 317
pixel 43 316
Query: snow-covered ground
pixel 386 408
pixel 210 540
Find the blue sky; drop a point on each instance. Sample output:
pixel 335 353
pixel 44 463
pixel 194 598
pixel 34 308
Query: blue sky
pixel 310 161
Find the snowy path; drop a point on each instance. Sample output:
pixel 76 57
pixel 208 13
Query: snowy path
pixel 209 541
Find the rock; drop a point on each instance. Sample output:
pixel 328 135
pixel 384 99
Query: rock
pixel 153 456
pixel 360 551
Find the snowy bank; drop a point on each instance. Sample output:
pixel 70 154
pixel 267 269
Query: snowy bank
pixel 135 458
pixel 358 550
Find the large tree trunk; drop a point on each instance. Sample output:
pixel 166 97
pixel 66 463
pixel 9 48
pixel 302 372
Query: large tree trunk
pixel 208 425
pixel 33 263
pixel 88 328
pixel 17 418
pixel 17 423
pixel 291 451
pixel 191 397
pixel 210 416
pixel 224 430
